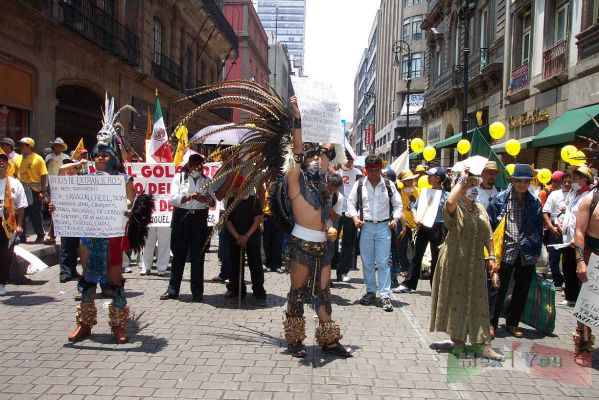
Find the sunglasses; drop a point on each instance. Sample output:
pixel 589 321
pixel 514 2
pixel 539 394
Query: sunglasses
pixel 318 152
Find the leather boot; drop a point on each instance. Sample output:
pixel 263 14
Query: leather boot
pixel 86 319
pixel 118 318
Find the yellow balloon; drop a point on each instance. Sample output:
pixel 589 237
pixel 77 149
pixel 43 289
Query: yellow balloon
pixel 463 146
pixel 512 147
pixel 544 176
pixel 423 182
pixel 429 153
pixel 497 130
pixel 577 158
pixel 417 145
pixel 567 152
pixel 510 168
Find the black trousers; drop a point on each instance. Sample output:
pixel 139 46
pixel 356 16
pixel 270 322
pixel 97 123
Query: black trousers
pixel 34 212
pixel 189 229
pixel 273 244
pixel 254 260
pixel 68 256
pixel 406 245
pixel 349 243
pixel 572 284
pixel 522 278
pixel 433 235
pixel 6 257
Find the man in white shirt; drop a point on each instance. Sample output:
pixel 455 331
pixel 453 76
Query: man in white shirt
pixel 553 214
pixel 19 203
pixel 55 159
pixel 487 190
pixel 349 174
pixel 376 211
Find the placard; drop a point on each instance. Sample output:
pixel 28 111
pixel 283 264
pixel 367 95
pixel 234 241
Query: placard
pixel 586 309
pixel 428 205
pixel 321 121
pixel 89 205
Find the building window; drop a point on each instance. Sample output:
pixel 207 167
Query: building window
pixel 456 55
pixel 595 12
pixel 484 17
pixel 416 31
pixel 561 22
pixel 158 35
pixel 406 29
pixel 526 20
pixel 13 122
pixel 416 65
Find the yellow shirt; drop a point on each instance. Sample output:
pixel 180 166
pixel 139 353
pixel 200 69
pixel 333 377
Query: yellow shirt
pixel 408 200
pixel 29 169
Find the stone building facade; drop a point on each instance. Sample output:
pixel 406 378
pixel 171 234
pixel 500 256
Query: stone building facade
pixel 58 58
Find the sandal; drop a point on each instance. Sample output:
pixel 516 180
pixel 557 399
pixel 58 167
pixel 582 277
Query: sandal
pixel 297 350
pixel 339 350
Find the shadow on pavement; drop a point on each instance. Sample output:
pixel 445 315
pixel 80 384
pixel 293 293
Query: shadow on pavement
pixel 25 298
pixel 248 303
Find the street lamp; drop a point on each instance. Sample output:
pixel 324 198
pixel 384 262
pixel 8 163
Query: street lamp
pixel 371 95
pixel 403 47
pixel 465 11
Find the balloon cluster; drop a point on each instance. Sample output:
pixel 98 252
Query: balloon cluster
pixel 573 156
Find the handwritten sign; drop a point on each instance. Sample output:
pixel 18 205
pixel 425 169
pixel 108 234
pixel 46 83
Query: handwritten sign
pixel 89 205
pixel 587 304
pixel 156 179
pixel 428 205
pixel 321 121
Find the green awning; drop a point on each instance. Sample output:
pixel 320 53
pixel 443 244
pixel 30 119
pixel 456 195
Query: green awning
pixel 413 156
pixel 565 128
pixel 449 142
pixel 524 142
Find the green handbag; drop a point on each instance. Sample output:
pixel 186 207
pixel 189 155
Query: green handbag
pixel 540 311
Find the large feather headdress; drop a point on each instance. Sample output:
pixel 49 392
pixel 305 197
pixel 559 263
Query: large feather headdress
pixel 108 137
pixel 263 149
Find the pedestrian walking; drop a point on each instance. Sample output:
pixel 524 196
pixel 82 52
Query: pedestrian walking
pixel 347 256
pixel 409 195
pixel 554 212
pixel 159 240
pixel 487 190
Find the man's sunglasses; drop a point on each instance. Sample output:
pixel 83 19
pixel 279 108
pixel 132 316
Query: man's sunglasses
pixel 318 152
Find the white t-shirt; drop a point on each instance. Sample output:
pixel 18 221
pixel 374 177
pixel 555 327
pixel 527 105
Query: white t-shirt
pixel 54 162
pixel 485 196
pixel 337 207
pixel 349 178
pixel 556 205
pixel 569 224
pixel 17 193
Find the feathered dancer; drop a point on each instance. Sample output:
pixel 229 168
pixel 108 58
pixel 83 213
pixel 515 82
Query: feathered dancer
pixel 267 142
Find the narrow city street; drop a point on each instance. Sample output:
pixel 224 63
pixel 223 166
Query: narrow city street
pixel 180 349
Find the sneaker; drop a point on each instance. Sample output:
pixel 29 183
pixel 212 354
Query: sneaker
pixel 401 289
pixel 2 290
pixel 368 299
pixel 387 306
pixel 127 270
pixel 345 278
pixel 161 273
pixel 144 272
pixel 568 303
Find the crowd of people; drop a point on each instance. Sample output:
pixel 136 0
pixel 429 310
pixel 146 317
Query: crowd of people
pixel 340 212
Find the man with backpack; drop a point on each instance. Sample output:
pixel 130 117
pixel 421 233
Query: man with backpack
pixel 375 207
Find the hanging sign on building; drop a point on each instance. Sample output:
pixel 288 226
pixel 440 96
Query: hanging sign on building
pixel 528 118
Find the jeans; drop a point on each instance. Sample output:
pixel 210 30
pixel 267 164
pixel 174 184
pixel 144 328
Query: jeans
pixel 435 236
pixel 554 259
pixel 68 257
pixel 162 235
pixel 572 283
pixel 523 275
pixel 189 233
pixel 223 252
pixel 273 244
pixel 252 253
pixel 34 211
pixel 347 256
pixel 375 248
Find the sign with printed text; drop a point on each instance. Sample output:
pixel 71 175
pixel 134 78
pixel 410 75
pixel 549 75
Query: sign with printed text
pixel 156 179
pixel 321 121
pixel 587 304
pixel 428 205
pixel 89 205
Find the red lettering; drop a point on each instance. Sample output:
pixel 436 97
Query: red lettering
pixel 152 188
pixel 169 171
pixel 146 171
pixel 139 188
pixel 163 205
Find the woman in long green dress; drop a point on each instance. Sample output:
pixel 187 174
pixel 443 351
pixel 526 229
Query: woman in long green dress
pixel 459 296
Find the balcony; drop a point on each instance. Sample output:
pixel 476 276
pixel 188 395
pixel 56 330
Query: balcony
pixel 441 85
pixel 588 42
pixel 166 70
pixel 217 17
pixel 477 62
pixel 519 83
pixel 101 28
pixel 554 59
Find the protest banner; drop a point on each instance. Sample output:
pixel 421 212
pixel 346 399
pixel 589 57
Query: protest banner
pixel 89 205
pixel 586 309
pixel 428 204
pixel 321 121
pixel 156 179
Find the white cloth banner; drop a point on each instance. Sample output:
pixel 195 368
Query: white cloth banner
pixel 156 179
pixel 587 304
pixel 321 121
pixel 402 163
pixel 428 205
pixel 89 205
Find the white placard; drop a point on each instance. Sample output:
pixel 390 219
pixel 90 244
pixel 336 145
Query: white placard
pixel 156 179
pixel 428 205
pixel 587 304
pixel 89 205
pixel 321 121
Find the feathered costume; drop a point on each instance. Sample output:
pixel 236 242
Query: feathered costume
pixel 106 253
pixel 265 151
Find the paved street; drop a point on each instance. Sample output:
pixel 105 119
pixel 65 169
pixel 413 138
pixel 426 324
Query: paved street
pixel 186 350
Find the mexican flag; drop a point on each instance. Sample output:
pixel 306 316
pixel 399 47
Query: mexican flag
pixel 159 148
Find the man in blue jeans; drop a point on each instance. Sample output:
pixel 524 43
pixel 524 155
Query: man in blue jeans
pixel 375 207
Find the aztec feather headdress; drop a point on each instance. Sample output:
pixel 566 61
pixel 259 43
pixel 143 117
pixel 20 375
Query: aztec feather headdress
pixel 108 136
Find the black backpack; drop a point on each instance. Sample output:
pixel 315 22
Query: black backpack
pixel 359 203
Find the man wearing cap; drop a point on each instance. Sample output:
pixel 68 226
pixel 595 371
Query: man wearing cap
pixel 487 190
pixel 8 146
pixel 434 235
pixel 554 184
pixel 554 211
pixel 582 178
pixel 349 174
pixel 523 239
pixel 31 170
pixel 19 200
